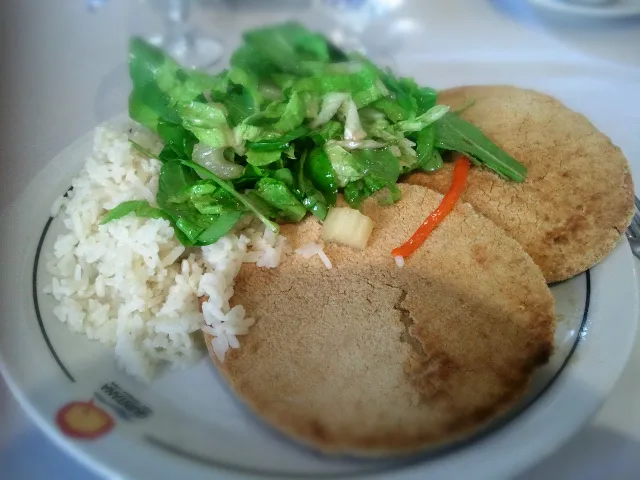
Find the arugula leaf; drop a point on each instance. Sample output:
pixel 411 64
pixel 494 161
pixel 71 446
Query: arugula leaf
pixel 192 192
pixel 269 142
pixel 276 194
pixel 167 154
pixel 434 163
pixel 179 141
pixel 148 105
pixel 216 203
pixel 249 178
pixel 319 170
pixel 312 199
pixel 219 227
pixel 331 130
pixel 142 112
pixel 174 178
pixel 285 176
pixel 455 133
pixel 207 174
pixel 141 149
pixel 258 202
pixel 179 182
pixel 140 208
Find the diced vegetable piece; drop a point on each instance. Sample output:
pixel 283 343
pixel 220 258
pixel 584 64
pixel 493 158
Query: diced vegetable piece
pixel 347 226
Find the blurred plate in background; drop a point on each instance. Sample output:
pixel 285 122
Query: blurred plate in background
pixel 611 10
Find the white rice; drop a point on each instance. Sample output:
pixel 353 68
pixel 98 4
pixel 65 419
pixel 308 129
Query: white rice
pixel 130 283
pixel 310 249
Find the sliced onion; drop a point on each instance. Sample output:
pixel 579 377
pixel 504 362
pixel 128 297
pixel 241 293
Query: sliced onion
pixel 331 103
pixel 352 127
pixel 347 226
pixel 371 114
pixel 395 150
pixel 432 115
pixel 271 91
pixel 406 146
pixel 312 107
pixel 238 142
pixel 213 159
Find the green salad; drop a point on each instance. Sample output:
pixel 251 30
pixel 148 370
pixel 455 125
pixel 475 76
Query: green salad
pixel 288 126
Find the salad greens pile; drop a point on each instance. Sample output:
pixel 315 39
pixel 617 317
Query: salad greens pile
pixel 291 123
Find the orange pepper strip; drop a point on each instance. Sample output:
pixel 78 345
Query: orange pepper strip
pixel 460 171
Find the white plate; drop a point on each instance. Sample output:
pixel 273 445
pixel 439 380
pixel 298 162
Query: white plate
pixel 188 425
pixel 617 9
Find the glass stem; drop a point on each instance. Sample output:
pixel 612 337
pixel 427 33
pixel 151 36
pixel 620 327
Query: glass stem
pixel 176 22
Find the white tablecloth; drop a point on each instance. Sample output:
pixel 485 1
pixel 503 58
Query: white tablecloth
pixel 63 71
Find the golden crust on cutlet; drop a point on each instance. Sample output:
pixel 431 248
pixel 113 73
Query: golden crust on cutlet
pixel 578 195
pixel 371 359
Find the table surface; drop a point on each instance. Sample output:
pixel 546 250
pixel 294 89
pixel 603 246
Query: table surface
pixel 63 72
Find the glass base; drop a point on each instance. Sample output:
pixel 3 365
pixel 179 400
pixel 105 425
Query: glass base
pixel 191 50
pixel 349 42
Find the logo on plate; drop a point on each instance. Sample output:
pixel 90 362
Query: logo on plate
pixel 121 402
pixel 84 420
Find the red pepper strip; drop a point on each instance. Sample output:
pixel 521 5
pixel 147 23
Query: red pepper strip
pixel 460 171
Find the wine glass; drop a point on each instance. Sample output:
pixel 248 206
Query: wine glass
pixel 186 45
